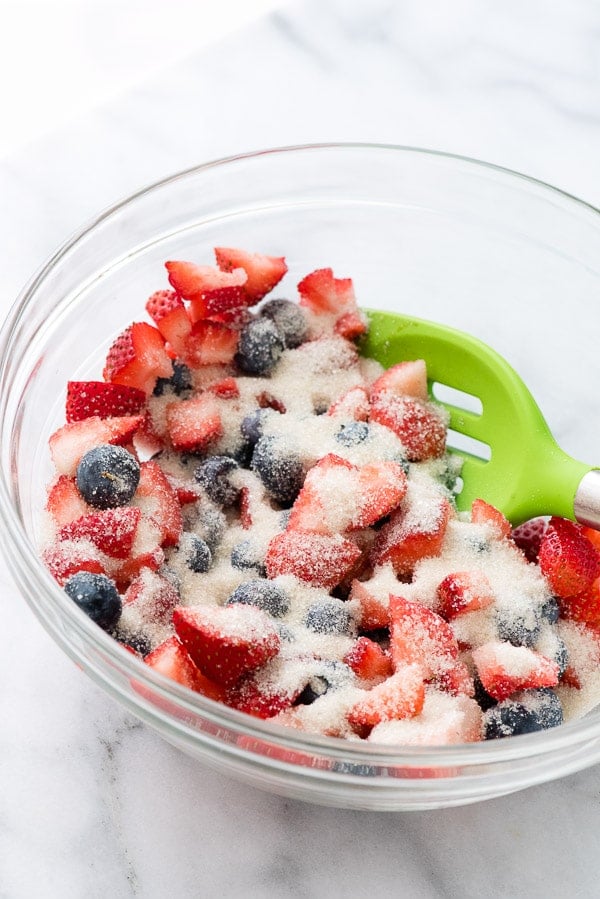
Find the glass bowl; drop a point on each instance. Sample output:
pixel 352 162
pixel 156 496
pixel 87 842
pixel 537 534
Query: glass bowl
pixel 503 256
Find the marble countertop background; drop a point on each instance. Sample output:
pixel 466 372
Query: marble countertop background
pixel 94 804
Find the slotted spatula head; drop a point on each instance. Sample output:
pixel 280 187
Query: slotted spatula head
pixel 510 457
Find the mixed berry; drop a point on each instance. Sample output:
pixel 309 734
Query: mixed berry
pixel 269 519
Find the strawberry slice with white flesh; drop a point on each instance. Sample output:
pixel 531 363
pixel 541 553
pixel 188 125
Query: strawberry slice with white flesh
pixel 137 358
pixel 505 669
pixel 263 272
pixel 169 314
pixel 208 290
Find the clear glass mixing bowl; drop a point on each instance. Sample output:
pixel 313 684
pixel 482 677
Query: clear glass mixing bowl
pixel 508 258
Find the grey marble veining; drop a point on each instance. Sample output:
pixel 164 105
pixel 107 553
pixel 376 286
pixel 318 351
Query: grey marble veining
pixel 91 802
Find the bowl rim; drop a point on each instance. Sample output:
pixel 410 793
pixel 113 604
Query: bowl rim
pixel 539 744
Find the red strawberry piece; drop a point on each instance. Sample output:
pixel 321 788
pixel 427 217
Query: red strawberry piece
pixel 418 635
pixel 404 379
pixel 111 530
pixel 210 343
pixel 147 440
pixel 352 404
pixel 171 660
pixel 66 558
pixel 411 535
pixel 88 398
pixel 209 290
pixel 195 423
pixel 170 316
pixel 456 679
pixel 266 400
pixel 400 696
pixel 584 607
pixel 593 536
pixel 315 509
pixel 381 488
pixel 146 552
pixel 368 660
pixel 504 669
pixel 137 358
pixel 227 642
pixel 69 443
pixel 263 272
pixel 351 325
pixel 463 591
pixel 185 491
pixel 159 503
pixel 154 595
pixel 317 559
pixel 371 613
pixel 64 501
pixel 259 700
pixel 322 293
pixel 225 389
pixel 420 426
pixel 528 537
pixel 485 513
pixel 568 559
pixel 245 509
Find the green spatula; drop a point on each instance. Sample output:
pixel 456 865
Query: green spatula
pixel 523 477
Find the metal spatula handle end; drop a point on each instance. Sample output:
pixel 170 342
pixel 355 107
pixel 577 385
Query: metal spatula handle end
pixel 586 504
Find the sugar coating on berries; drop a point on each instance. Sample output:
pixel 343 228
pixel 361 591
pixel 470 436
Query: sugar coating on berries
pixel 292 547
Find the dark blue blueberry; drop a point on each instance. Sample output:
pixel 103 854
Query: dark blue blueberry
pixel 210 525
pixel 519 628
pixel 178 383
pixel 279 468
pixel 97 595
pixel 259 347
pixel 352 434
pixel 252 425
pixel 263 594
pixel 482 696
pixel 196 553
pixel 213 474
pixel 138 641
pixel 523 713
pixel 289 320
pixel 108 476
pixel 329 617
pixel 325 676
pixel 550 610
pixel 245 556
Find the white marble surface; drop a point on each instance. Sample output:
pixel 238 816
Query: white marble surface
pixel 94 804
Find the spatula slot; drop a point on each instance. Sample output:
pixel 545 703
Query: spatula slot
pixel 443 393
pixel 469 445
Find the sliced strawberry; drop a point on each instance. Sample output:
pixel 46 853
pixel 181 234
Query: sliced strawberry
pixel 456 679
pixel 381 488
pixel 418 635
pixel 263 272
pixel 352 404
pixel 209 290
pixel 528 537
pixel 147 440
pixel 171 660
pixel 266 400
pixel 593 536
pixel 351 325
pixel 185 491
pixel 146 552
pixel 322 293
pixel 195 423
pixel 400 696
pixel 225 389
pixel 412 535
pixel 158 501
pixel 88 398
pixel 320 560
pixel 260 701
pixel 227 642
pixel 568 559
pixel 69 443
pixel 584 607
pixel 504 669
pixel 210 343
pixel 111 530
pixel 463 591
pixel 403 379
pixel 420 426
pixel 485 513
pixel 245 509
pixel 368 660
pixel 170 316
pixel 66 558
pixel 64 501
pixel 153 595
pixel 371 614
pixel 315 508
pixel 137 358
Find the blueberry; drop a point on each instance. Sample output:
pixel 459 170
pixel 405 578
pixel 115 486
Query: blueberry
pixel 108 476
pixel 213 475
pixel 259 348
pixel 550 610
pixel 178 383
pixel 196 553
pixel 329 617
pixel 210 526
pixel 353 434
pixel 97 595
pixel 289 320
pixel 519 628
pixel 137 641
pixel 523 713
pixel 279 468
pixel 252 425
pixel 263 594
pixel 245 556
pixel 482 696
pixel 325 676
